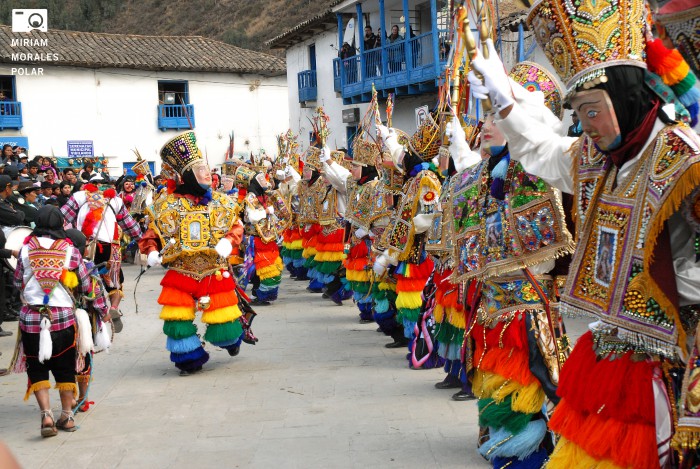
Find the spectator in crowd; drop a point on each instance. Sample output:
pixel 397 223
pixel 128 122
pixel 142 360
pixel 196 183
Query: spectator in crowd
pixel 8 156
pixel 370 38
pixel 30 192
pixel 56 189
pixel 396 54
pixel 23 172
pixel 347 51
pixel 69 175
pixel 64 193
pixel 88 172
pixel 8 217
pixel 46 192
pixel 33 172
pixel 47 166
pixel 16 198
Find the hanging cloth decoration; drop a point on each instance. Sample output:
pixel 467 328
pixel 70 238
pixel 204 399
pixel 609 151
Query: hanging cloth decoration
pixel 47 264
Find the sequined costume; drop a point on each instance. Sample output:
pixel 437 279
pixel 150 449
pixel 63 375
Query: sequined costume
pixel 634 268
pixel 187 229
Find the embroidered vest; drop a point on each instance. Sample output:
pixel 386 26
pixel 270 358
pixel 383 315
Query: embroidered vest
pixel 195 230
pixel 618 234
pixel 420 196
pixel 439 241
pixel 47 265
pixel 366 204
pixel 309 198
pixel 493 237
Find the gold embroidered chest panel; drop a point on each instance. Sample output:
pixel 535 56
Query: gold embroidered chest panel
pixel 617 228
pixel 492 237
pixel 190 232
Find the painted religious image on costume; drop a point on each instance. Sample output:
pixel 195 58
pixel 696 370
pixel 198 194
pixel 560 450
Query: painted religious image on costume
pixel 605 256
pixel 494 229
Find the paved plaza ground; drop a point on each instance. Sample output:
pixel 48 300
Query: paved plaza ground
pixel 318 391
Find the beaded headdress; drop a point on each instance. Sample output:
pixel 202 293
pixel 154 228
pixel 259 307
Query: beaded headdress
pixel 426 141
pixel 181 153
pixel 682 26
pixel 583 37
pixel 534 77
pixel 244 175
pixel 312 158
pixel 340 158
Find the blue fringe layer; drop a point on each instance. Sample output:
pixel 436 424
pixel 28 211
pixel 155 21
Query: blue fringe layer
pixel 183 345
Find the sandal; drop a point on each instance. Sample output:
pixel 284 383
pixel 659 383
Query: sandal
pixel 62 423
pixel 117 323
pixel 48 430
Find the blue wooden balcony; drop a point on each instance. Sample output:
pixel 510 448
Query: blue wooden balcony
pixel 175 116
pixel 10 115
pixel 307 85
pixel 409 67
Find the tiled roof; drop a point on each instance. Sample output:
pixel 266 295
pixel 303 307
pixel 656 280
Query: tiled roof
pixel 169 53
pixel 305 29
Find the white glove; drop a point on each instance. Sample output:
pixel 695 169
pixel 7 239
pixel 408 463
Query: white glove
pixel 381 264
pixel 270 210
pixel 383 131
pixel 495 83
pixel 422 222
pixel 154 259
pixel 325 154
pixel 281 175
pixel 391 142
pixel 224 247
pixel 360 233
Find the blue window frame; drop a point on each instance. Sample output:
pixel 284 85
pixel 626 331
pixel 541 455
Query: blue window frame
pixel 174 109
pixel 10 108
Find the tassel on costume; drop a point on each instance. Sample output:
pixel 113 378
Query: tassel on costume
pixel 45 343
pixel 71 387
pixel 85 343
pixel 103 338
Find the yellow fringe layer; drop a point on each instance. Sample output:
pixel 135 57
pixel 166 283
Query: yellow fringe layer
pixel 82 378
pixel 177 313
pixel 688 181
pixel 330 256
pixel 36 387
pixel 272 270
pixel 439 313
pixel 456 318
pixel 387 286
pixel 568 455
pixel 67 387
pixel 294 245
pixel 221 315
pixel 526 399
pixel 357 275
pixel 308 252
pixel 410 300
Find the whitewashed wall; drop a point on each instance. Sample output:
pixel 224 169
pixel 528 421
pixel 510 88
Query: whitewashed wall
pixel 117 109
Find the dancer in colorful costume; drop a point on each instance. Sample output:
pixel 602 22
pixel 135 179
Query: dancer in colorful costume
pixel 100 328
pixel 635 174
pixel 404 238
pixel 195 231
pixel 362 210
pixel 48 267
pixel 102 216
pixel 311 188
pixel 448 312
pixel 263 210
pixel 508 229
pixel 288 173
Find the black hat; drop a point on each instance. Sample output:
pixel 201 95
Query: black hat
pixel 25 187
pixel 4 181
pixel 11 171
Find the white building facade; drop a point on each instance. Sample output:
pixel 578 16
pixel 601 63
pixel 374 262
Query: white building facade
pixel 141 105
